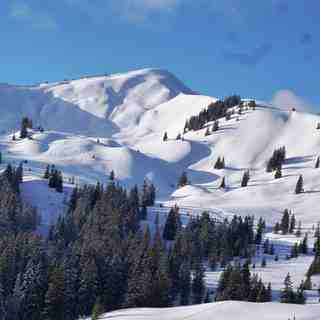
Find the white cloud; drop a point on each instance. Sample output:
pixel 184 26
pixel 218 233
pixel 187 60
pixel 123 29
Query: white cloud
pixel 287 99
pixel 36 19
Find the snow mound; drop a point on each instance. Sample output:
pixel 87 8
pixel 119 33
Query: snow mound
pixel 221 310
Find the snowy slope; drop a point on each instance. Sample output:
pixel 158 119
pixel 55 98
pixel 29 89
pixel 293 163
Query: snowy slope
pixel 222 311
pixel 92 106
pixel 116 122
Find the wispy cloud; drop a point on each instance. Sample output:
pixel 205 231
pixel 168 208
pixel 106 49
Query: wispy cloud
pixel 22 12
pixel 249 58
pixel 287 99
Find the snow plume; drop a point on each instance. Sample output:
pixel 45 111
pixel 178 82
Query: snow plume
pixel 287 99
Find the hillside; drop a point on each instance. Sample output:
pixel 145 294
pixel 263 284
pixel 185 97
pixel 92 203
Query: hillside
pixel 95 125
pixel 221 310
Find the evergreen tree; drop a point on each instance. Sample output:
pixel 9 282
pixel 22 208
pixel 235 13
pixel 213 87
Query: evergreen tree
pixel 278 173
pixel 300 297
pixel 54 298
pixel 299 185
pixel 276 228
pixel 185 286
pixel 183 180
pixel 287 294
pixel 25 124
pixel 285 221
pixel 263 262
pixel 59 182
pixel 172 225
pixel 98 309
pixel 218 164
pixel 260 229
pixel 292 224
pixel 207 133
pixel 198 285
pixel 245 179
pixel 317 165
pixel 215 126
pixel 294 251
pixel 47 172
pixel 223 183
pixel 165 136
pixel 112 176
pixel 298 232
pixel 303 247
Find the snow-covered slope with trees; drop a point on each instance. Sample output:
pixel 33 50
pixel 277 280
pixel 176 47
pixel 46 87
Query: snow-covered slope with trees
pixel 97 125
pixel 117 122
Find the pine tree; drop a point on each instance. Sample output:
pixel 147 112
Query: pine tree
pixel 292 224
pixel 215 126
pixel 299 232
pixel 198 285
pixel 260 228
pixel 317 165
pixel 284 225
pixel 218 164
pixel 19 173
pixel 223 183
pixel 183 180
pixel 98 309
pixel 287 294
pixel 47 172
pixel 172 225
pixel 278 173
pixel 54 299
pixel 299 185
pixel 294 251
pixel 112 175
pixel 165 136
pixel 303 247
pixel 25 124
pixel 59 182
pixel 276 228
pixel 185 286
pixel 245 179
pixel 300 297
pixel 263 262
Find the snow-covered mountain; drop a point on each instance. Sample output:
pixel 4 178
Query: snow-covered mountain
pixel 116 122
pixel 98 106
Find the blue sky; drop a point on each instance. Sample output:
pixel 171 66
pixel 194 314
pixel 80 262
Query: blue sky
pixel 268 49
